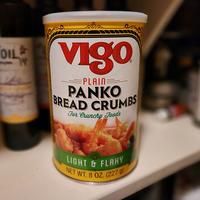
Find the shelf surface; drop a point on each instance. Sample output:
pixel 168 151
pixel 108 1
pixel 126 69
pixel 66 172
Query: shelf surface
pixel 165 148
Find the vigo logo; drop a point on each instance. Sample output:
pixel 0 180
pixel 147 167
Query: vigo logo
pixel 110 51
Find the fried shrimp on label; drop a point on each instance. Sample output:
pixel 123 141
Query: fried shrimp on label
pixel 79 133
pixel 83 140
pixel 57 125
pixel 124 140
pixel 77 148
pixel 91 144
pixel 63 141
pixel 108 145
pixel 118 131
pixel 100 124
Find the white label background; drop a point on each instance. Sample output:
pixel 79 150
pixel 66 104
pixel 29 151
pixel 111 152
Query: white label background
pixel 26 105
pixel 61 71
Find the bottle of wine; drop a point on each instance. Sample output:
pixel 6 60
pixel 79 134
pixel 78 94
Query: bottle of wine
pixel 118 5
pixel 197 112
pixel 82 5
pixel 42 8
pixel 99 4
pixel 160 86
pixel 18 107
pixel 194 90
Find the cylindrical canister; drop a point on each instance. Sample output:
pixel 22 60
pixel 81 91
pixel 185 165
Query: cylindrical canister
pixel 94 79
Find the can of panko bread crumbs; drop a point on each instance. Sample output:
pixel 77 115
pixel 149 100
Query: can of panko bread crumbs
pixel 94 79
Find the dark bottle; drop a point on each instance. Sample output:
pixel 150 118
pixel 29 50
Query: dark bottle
pixel 99 4
pixel 197 111
pixel 18 107
pixel 117 5
pixel 184 62
pixel 194 90
pixel 160 87
pixel 42 8
pixel 82 5
pixel 188 62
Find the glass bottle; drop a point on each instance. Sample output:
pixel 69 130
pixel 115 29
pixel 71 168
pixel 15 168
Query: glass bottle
pixel 117 5
pixel 42 8
pixel 83 5
pixel 18 107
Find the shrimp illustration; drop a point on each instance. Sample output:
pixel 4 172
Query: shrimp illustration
pixel 84 140
pixel 57 125
pixel 78 133
pixel 63 140
pixel 108 145
pixel 118 131
pixel 77 148
pixel 124 140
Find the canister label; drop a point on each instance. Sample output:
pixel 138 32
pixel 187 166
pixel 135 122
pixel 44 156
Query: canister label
pixel 94 75
pixel 17 85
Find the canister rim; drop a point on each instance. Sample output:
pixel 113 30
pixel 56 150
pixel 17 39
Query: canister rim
pixel 95 16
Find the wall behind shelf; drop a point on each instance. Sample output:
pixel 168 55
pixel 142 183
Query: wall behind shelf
pixel 159 12
pixel 64 4
pixel 159 15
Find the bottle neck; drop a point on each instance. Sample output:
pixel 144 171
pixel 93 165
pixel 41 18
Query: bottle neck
pixel 117 5
pixel 47 6
pixel 46 3
pixel 83 5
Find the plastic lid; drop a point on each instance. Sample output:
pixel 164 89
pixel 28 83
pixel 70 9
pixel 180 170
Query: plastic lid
pixel 95 16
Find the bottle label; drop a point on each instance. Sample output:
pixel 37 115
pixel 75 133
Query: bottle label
pixel 17 85
pixel 41 72
pixel 94 73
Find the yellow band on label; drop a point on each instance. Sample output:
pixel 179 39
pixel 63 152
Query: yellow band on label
pixel 95 176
